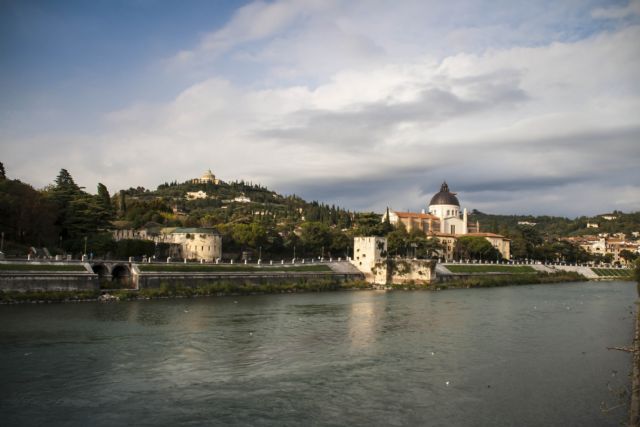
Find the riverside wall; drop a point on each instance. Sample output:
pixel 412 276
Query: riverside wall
pixel 194 280
pixel 634 406
pixel 444 274
pixel 34 281
pixel 45 282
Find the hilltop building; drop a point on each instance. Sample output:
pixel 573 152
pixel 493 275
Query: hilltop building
pixel 446 222
pixel 207 178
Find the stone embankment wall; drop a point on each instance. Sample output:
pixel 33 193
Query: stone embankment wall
pixel 26 280
pixel 156 280
pixel 31 281
pixel 403 271
pixel 341 271
pixel 45 283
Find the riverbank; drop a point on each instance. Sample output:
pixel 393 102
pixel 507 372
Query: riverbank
pixel 492 281
pixel 634 407
pixel 170 289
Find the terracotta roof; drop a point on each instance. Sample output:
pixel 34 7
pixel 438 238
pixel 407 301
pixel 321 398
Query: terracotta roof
pixel 487 235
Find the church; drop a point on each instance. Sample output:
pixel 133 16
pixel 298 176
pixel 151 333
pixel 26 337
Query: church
pixel 446 222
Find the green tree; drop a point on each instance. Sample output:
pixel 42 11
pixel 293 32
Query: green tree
pixel 2 172
pixel 369 224
pixel 628 256
pixel 315 236
pixel 104 198
pixel 63 193
pixel 122 203
pixel 26 216
pixel 249 235
pixel 475 247
pixel 340 243
pixel 397 240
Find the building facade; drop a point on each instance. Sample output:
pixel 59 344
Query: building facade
pixel 367 252
pixel 190 243
pixel 196 243
pixel 370 257
pixel 446 222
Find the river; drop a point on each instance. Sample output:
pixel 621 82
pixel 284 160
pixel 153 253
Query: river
pixel 526 356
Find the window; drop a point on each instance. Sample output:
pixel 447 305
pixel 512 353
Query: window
pixel 453 229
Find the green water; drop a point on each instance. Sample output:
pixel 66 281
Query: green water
pixel 514 356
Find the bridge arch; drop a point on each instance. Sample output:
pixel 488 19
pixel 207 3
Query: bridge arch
pixel 120 271
pixel 101 270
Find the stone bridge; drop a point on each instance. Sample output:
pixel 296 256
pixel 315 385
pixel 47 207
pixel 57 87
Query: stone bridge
pixel 112 270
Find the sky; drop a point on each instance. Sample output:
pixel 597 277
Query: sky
pixel 522 107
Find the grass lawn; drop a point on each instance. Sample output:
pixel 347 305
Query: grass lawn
pixel 612 272
pixel 204 268
pixel 490 268
pixel 42 267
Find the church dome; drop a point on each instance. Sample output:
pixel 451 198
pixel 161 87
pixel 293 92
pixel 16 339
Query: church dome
pixel 208 176
pixel 444 197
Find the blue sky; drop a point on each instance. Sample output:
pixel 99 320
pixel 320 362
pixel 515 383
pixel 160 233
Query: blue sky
pixel 523 107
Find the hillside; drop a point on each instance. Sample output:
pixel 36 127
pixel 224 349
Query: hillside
pixel 223 203
pixel 66 219
pixel 555 227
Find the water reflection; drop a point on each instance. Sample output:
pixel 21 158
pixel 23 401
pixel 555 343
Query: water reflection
pixel 363 321
pixel 467 357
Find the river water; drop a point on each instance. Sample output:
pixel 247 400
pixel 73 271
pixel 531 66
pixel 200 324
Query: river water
pixel 512 356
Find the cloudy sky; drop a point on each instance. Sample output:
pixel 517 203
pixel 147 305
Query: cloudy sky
pixel 521 106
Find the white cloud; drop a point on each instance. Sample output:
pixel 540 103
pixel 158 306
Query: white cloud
pixel 617 12
pixel 347 108
pixel 253 22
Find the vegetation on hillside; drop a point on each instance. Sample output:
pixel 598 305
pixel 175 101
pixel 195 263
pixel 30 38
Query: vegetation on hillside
pixel 66 219
pixel 550 227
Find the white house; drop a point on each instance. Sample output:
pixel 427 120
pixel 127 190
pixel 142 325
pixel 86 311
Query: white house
pixel 193 195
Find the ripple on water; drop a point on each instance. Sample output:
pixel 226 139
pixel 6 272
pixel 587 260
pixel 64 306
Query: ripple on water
pixel 469 357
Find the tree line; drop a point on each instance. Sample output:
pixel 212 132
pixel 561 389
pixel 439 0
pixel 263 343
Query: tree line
pixel 67 219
